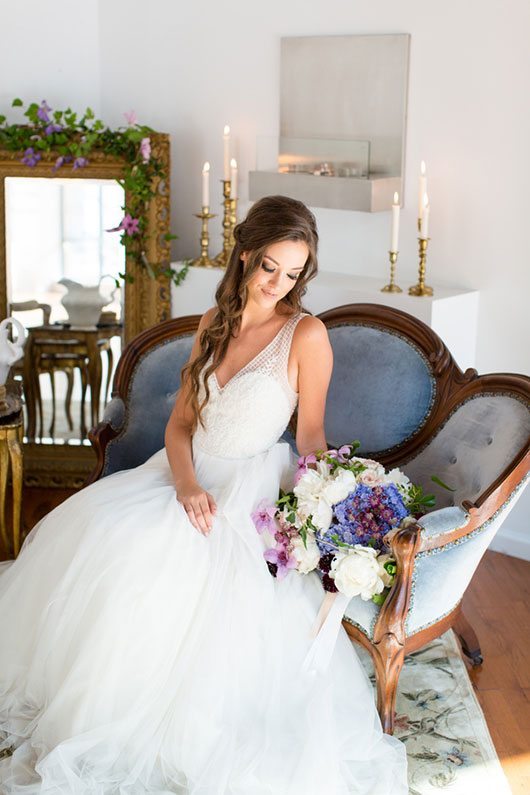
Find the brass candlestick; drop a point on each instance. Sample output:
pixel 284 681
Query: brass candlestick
pixel 391 287
pixel 229 221
pixel 204 261
pixel 421 288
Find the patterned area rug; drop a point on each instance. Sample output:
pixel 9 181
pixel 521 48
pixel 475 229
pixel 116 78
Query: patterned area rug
pixel 440 720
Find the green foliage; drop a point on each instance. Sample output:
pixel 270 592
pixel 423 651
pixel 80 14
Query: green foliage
pixel 73 139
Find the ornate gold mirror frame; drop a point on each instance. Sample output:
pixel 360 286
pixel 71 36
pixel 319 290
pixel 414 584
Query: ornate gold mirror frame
pixel 147 299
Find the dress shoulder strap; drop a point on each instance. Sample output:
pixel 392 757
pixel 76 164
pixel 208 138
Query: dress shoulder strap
pixel 285 339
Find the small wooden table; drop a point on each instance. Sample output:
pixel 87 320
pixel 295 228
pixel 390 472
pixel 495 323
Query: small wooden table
pixel 11 434
pixel 57 337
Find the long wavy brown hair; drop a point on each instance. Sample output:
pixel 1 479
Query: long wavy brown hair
pixel 270 220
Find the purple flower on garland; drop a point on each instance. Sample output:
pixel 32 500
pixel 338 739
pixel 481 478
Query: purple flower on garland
pixel 365 516
pixel 58 163
pixel 129 225
pixel 42 112
pixel 263 516
pixel 131 118
pixel 31 158
pixel 52 128
pixel 145 149
pixel 80 162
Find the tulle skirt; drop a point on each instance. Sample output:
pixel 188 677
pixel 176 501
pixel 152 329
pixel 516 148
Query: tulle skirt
pixel 138 656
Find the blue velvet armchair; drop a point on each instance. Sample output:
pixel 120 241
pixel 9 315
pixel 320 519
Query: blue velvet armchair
pixel 396 388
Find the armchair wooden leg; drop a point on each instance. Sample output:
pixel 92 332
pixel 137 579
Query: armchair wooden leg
pixel 388 663
pixel 468 639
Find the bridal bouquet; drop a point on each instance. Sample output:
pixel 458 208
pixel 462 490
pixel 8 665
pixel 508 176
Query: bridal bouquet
pixel 335 520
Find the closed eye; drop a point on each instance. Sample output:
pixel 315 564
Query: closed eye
pixel 271 270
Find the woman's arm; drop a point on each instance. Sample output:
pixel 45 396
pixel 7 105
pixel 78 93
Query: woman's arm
pixel 198 503
pixel 315 363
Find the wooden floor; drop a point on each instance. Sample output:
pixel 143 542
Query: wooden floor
pixel 497 604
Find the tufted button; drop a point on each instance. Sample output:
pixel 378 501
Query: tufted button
pixel 489 440
pixel 453 459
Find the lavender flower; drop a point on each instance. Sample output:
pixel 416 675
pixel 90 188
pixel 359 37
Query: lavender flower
pixel 282 558
pixel 80 162
pixel 263 516
pixel 31 158
pixel 43 111
pixel 52 128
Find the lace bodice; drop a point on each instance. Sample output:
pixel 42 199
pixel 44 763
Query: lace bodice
pixel 250 413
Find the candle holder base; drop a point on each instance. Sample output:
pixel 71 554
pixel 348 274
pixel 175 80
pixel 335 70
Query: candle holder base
pixel 204 260
pixel 420 289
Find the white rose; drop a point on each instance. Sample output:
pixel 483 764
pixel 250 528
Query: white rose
pixel 370 477
pixel 387 578
pixel 399 479
pixel 307 558
pixel 338 488
pixel 310 492
pixel 370 464
pixel 357 572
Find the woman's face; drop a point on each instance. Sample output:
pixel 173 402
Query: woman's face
pixel 282 265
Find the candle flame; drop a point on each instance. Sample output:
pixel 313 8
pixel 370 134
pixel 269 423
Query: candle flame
pixel 423 168
pixel 226 130
pixel 206 167
pixel 233 163
pixel 396 198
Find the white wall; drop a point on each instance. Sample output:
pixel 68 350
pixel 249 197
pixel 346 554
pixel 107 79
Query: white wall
pixel 187 69
pixel 50 51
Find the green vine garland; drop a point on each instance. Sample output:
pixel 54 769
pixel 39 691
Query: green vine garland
pixel 73 139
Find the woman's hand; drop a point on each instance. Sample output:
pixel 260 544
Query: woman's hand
pixel 199 506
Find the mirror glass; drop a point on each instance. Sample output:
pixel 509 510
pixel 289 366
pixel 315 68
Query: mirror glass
pixel 62 272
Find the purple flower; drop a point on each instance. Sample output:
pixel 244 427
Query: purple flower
pixel 80 162
pixel 58 163
pixel 131 118
pixel 128 224
pixel 52 128
pixel 263 516
pixel 31 158
pixel 282 559
pixel 43 111
pixel 145 149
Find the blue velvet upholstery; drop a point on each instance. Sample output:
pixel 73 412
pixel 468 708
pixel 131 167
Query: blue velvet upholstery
pixel 469 452
pixel 381 389
pixel 151 396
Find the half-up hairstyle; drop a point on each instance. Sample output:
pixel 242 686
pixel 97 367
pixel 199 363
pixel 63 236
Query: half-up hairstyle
pixel 270 220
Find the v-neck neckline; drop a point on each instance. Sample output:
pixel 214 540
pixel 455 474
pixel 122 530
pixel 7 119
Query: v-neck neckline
pixel 242 369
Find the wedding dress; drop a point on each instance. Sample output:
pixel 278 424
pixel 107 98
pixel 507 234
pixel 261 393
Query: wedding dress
pixel 139 656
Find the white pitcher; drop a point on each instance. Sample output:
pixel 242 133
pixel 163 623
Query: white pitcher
pixel 83 303
pixel 10 352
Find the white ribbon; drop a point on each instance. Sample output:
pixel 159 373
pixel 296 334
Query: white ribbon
pixel 326 628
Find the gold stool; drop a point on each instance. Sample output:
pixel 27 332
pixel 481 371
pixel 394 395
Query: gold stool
pixel 11 434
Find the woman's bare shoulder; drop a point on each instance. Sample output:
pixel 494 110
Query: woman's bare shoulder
pixel 207 318
pixel 310 334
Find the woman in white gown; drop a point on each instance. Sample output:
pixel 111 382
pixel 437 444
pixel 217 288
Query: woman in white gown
pixel 145 647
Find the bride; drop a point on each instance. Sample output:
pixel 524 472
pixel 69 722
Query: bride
pixel 145 647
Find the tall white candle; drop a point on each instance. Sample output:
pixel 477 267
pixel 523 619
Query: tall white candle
pixel 394 237
pixel 226 152
pixel 233 178
pixel 424 234
pixel 423 188
pixel 206 185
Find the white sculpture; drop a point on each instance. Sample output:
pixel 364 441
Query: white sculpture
pixel 10 351
pixel 83 303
